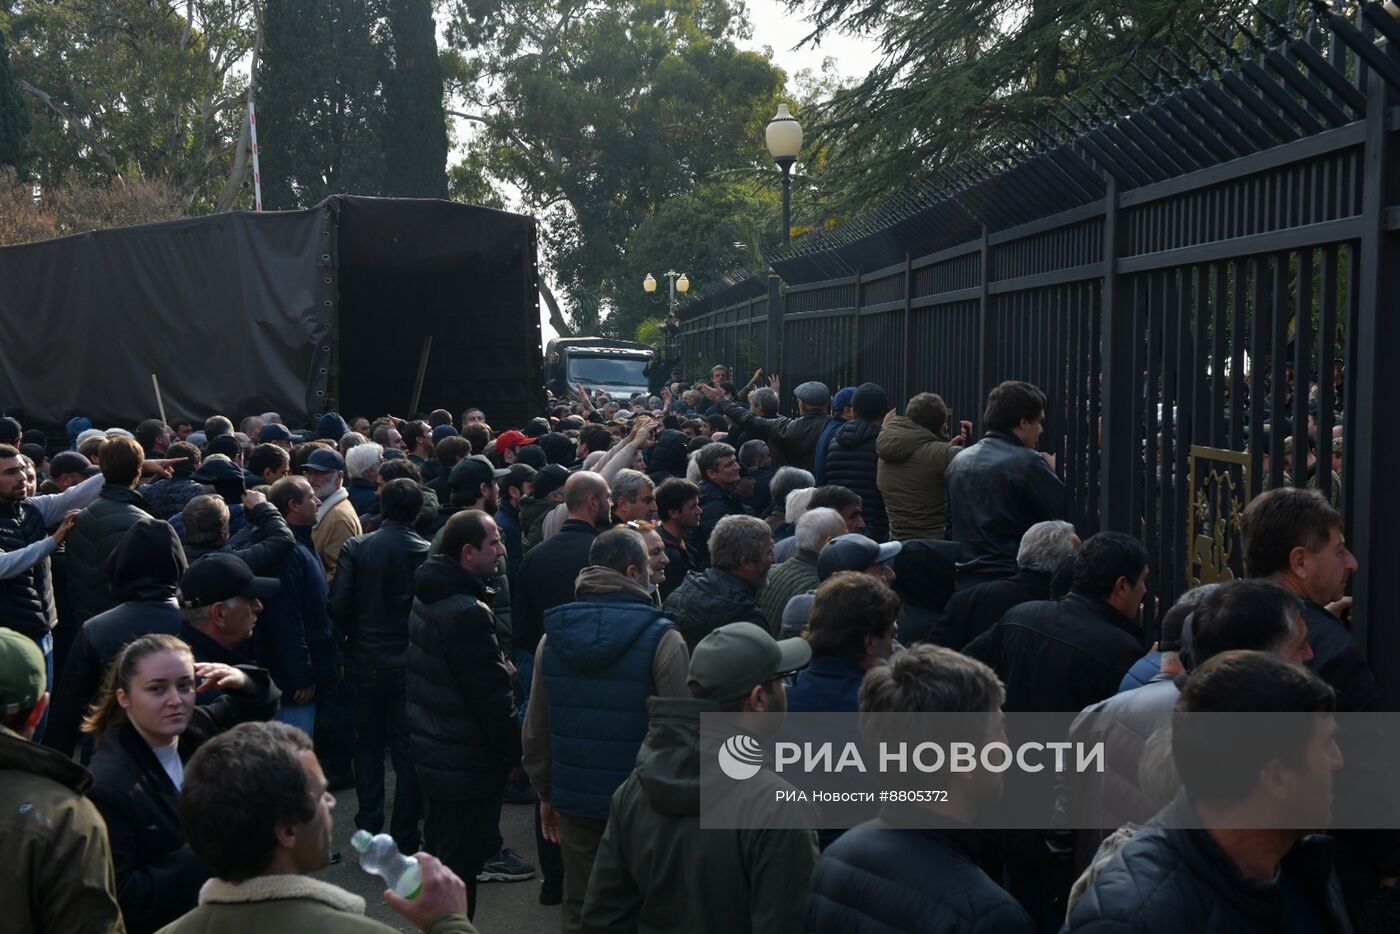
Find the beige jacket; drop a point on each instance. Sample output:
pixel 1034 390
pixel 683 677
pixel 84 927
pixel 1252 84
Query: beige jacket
pixel 288 905
pixel 336 523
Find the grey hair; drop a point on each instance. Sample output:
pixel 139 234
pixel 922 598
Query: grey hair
pixel 816 527
pixel 736 538
pixel 363 458
pixel 618 549
pixel 350 440
pixel 629 484
pixel 206 520
pixel 787 479
pixel 1045 545
pixel 764 399
pixel 692 470
pixel 797 503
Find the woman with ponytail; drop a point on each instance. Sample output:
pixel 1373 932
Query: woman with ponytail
pixel 145 726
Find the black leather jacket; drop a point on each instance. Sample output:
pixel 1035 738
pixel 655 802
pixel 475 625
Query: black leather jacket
pixel 373 594
pixel 997 489
pixel 793 440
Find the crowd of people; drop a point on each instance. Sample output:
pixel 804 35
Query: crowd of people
pixel 208 628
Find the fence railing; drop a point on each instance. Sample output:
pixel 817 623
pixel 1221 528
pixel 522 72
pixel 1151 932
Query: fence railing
pixel 1213 267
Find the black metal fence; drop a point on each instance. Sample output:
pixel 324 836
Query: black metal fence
pixel 1192 269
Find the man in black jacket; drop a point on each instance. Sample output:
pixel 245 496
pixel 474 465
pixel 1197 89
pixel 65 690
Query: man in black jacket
pixel 1001 486
pixel 1176 876
pixel 793 441
pixel 100 527
pixel 370 603
pixel 851 460
pixel 719 494
pixel 144 571
pixel 547 572
pixel 1063 655
pixel 461 711
pixel 545 580
pixel 727 592
pixel 930 880
pixel 1294 537
pixel 973 610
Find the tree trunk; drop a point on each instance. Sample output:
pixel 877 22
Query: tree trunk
pixel 556 318
pixel 239 173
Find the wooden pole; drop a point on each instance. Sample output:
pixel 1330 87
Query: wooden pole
pixel 160 403
pixel 422 372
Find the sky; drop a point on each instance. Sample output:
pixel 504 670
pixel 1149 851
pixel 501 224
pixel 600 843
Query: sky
pixel 774 26
pixel 780 30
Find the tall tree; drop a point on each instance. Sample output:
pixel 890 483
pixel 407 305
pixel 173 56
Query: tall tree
pixel 321 114
pixel 415 136
pixel 600 111
pixel 962 76
pixel 14 115
pixel 122 90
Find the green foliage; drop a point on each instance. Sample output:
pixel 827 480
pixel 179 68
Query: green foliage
pixel 715 229
pixel 415 138
pixel 132 88
pixel 600 113
pixel 468 182
pixel 321 110
pixel 14 115
pixel 963 76
pixel 649 332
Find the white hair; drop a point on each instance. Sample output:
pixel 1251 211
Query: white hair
pixel 1045 545
pixel 816 527
pixel 692 469
pixel 796 504
pixel 88 433
pixel 363 459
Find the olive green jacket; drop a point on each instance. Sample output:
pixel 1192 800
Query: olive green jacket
pixel 58 874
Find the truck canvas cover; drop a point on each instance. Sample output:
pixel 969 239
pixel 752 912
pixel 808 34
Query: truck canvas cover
pixel 292 311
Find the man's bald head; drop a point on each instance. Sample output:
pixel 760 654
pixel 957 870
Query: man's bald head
pixel 586 498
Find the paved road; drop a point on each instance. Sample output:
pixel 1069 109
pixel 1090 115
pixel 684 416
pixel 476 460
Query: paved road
pixel 502 907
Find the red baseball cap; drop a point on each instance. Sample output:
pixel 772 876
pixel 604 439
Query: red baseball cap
pixel 512 439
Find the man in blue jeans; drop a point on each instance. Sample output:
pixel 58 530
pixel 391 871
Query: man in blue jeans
pixel 370 603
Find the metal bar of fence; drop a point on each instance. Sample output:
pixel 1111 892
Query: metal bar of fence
pixel 1326 354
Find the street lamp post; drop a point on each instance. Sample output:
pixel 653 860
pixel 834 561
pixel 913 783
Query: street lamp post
pixel 784 138
pixel 675 282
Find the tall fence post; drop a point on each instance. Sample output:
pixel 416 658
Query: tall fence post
pixel 906 369
pixel 772 355
pixel 1117 441
pixel 1373 452
pixel 984 331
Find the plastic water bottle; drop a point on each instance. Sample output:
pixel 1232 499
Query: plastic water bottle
pixel 379 856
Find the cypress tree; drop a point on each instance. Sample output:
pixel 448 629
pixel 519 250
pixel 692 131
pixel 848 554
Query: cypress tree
pixel 415 138
pixel 320 101
pixel 14 115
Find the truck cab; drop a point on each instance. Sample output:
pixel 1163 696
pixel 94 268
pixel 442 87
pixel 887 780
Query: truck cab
pixel 617 367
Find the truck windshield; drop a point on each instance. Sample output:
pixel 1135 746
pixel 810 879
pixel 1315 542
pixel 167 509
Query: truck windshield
pixel 607 371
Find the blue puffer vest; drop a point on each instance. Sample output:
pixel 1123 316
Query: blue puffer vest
pixel 26 600
pixel 598 676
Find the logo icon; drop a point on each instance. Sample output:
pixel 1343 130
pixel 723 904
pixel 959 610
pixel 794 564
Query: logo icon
pixel 740 757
